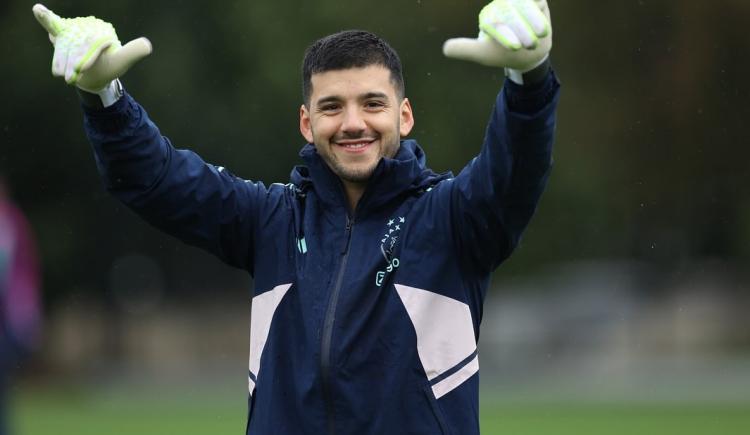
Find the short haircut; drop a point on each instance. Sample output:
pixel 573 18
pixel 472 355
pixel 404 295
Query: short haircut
pixel 350 49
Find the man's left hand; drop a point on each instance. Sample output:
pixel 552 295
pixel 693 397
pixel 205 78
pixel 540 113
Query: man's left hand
pixel 513 34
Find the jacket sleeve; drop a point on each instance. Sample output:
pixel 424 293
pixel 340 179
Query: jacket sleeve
pixel 495 195
pixel 175 190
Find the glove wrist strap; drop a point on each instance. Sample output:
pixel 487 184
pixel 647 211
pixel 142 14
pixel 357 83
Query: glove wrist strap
pixel 104 98
pixel 533 75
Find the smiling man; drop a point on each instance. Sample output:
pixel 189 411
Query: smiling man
pixel 355 111
pixel 370 270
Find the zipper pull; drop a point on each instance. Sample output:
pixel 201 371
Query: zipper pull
pixel 349 224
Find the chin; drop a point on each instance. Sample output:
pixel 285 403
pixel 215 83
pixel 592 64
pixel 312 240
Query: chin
pixel 357 175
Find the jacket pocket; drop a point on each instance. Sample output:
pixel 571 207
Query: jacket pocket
pixel 444 430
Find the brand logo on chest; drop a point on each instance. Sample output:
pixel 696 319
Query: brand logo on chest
pixel 387 245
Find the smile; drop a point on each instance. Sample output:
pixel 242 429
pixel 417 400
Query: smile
pixel 355 145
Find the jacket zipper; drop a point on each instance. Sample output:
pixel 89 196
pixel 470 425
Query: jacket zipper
pixel 325 344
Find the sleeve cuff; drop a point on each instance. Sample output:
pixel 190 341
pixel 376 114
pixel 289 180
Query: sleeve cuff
pixel 532 96
pixel 124 113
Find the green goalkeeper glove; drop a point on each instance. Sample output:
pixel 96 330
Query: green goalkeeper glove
pixel 513 34
pixel 87 51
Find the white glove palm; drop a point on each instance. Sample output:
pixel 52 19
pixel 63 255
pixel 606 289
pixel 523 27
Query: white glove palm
pixel 87 51
pixel 514 34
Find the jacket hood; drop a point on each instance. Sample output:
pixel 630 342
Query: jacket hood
pixel 405 173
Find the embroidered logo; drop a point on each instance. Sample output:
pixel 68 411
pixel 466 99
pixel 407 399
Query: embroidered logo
pixel 387 244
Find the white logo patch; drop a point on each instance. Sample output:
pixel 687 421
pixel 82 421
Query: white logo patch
pixel 387 244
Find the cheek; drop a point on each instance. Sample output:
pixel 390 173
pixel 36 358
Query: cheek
pixel 387 125
pixel 324 128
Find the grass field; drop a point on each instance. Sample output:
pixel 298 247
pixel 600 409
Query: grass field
pixel 74 411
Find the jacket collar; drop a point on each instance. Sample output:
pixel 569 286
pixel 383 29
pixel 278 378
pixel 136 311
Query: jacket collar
pixel 405 173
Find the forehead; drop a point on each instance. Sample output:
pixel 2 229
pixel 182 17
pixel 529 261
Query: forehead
pixel 352 82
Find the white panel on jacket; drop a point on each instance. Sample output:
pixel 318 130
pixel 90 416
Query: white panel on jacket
pixel 445 332
pixel 447 385
pixel 264 307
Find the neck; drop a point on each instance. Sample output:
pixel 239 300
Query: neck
pixel 353 191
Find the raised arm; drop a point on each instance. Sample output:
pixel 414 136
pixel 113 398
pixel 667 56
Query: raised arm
pixel 175 190
pixel 495 195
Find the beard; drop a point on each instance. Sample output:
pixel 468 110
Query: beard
pixel 353 175
pixel 359 174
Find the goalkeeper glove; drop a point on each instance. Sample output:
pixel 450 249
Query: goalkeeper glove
pixel 513 34
pixel 87 51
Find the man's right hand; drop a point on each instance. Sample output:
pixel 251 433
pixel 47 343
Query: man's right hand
pixel 87 51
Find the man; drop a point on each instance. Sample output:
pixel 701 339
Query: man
pixel 20 318
pixel 370 270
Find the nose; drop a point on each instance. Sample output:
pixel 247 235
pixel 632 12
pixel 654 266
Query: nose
pixel 353 123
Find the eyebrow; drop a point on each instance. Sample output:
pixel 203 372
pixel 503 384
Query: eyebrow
pixel 370 95
pixel 336 98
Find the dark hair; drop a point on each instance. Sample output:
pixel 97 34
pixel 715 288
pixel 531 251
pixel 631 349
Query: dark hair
pixel 349 49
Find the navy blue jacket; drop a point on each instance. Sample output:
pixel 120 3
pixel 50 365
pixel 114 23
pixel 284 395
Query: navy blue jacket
pixel 363 322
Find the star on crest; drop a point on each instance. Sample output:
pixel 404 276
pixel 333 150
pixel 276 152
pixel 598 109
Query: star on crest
pixel 390 222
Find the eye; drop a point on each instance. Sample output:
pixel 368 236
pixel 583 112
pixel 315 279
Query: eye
pixel 329 108
pixel 374 104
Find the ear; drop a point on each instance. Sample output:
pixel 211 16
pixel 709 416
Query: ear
pixel 305 126
pixel 406 118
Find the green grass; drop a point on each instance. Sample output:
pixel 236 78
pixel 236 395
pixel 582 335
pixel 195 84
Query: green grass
pixel 61 412
pixel 617 419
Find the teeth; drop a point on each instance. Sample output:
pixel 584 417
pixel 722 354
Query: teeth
pixel 356 145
